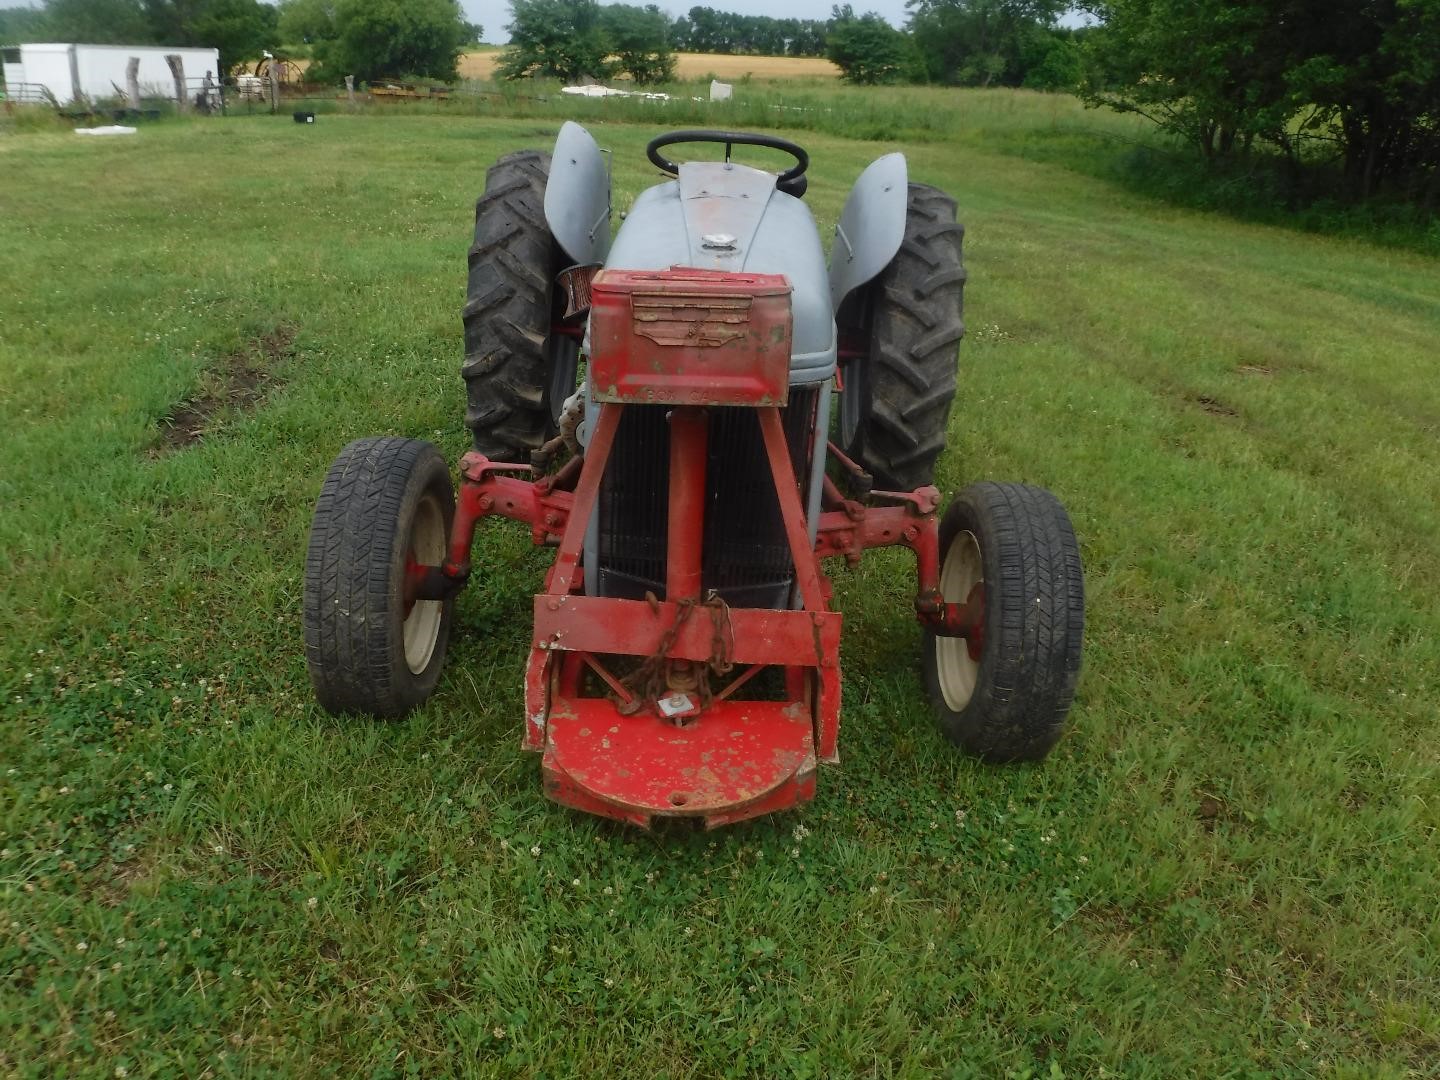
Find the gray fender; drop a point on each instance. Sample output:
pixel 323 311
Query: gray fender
pixel 871 226
pixel 577 196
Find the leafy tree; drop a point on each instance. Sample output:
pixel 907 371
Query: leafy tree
pixel 99 22
pixel 307 22
pixel 1360 85
pixel 1198 68
pixel 979 42
pixel 20 24
pixel 867 49
pixel 1052 59
pixel 374 39
pixel 705 29
pixel 639 39
pixel 240 29
pixel 560 38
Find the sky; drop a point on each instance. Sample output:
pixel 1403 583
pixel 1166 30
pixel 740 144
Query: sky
pixel 494 14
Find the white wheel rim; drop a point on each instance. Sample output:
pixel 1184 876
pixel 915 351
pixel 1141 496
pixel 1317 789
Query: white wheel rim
pixel 960 571
pixel 427 547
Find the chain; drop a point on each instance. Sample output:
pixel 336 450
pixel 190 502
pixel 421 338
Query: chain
pixel 647 682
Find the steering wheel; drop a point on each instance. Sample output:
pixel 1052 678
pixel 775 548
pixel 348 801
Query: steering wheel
pixel 729 138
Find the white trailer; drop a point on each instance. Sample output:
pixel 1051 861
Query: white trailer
pixel 92 72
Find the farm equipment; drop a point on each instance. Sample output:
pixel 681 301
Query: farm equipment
pixel 659 411
pixel 409 92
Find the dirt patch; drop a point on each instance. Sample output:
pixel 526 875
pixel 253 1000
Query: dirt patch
pixel 1208 811
pixel 237 382
pixel 1214 406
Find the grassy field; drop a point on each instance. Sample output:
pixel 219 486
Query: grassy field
pixel 1227 868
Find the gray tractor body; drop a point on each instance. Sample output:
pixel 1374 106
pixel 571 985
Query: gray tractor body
pixel 730 217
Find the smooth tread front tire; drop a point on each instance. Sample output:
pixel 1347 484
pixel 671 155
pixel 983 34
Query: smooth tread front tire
pixel 384 501
pixel 1011 703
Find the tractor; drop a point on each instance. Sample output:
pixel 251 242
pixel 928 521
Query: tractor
pixel 661 409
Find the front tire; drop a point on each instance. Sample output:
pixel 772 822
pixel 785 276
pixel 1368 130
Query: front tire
pixel 385 502
pixel 1010 702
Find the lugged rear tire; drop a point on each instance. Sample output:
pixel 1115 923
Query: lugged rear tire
pixel 383 500
pixel 1011 703
pixel 895 407
pixel 514 367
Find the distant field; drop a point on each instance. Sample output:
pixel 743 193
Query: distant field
pixel 1226 869
pixel 481 65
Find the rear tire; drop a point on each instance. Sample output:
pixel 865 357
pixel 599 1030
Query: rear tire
pixel 895 408
pixel 514 368
pixel 383 501
pixel 1011 703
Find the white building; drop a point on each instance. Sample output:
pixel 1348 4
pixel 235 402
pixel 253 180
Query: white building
pixel 98 71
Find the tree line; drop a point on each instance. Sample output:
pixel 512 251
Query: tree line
pixel 1352 86
pixel 707 30
pixel 239 29
pixel 1349 88
pixel 366 38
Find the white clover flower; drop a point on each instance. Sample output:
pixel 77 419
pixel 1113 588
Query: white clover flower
pixel 609 891
pixel 312 903
pixel 82 946
pixel 535 850
pixel 498 1032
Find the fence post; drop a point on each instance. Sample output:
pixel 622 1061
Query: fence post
pixel 274 87
pixel 350 90
pixel 132 82
pixel 177 71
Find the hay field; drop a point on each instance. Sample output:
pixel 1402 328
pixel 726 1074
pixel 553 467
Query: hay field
pixel 481 65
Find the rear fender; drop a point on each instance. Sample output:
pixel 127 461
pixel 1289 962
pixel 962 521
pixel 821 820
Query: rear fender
pixel 871 227
pixel 577 196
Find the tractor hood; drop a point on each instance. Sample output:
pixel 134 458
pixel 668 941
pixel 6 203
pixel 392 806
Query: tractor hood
pixel 725 216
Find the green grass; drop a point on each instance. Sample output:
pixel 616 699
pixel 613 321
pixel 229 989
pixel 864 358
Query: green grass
pixel 1227 868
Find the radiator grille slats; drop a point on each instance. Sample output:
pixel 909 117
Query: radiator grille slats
pixel 746 558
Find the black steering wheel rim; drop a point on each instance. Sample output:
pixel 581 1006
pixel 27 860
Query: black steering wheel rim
pixel 729 138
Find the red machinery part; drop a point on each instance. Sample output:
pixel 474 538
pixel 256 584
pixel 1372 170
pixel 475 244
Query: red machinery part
pixel 691 339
